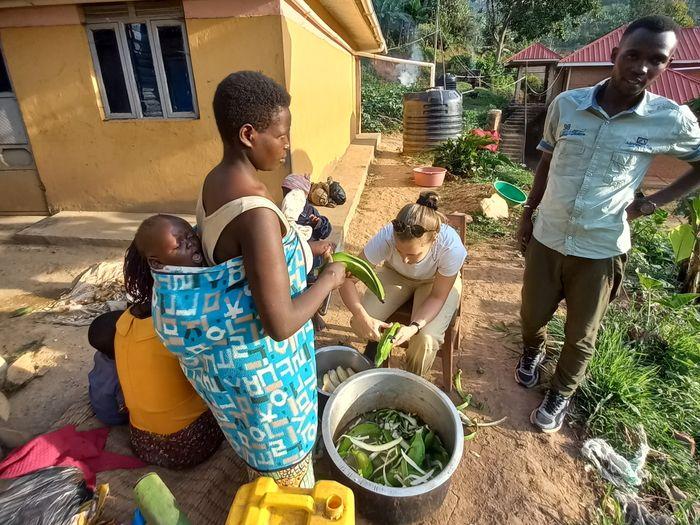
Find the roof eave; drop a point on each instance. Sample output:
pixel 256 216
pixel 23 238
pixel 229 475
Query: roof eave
pixel 360 21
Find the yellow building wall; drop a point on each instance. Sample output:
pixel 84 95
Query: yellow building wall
pixel 321 79
pixel 88 163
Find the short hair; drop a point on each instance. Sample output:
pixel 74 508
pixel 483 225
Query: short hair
pixel 653 23
pixel 247 97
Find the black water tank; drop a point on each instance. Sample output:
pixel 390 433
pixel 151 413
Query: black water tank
pixel 431 117
pixel 448 81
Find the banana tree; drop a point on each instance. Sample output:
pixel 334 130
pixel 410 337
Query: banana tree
pixel 685 240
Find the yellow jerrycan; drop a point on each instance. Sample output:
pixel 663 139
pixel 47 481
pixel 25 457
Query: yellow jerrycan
pixel 262 502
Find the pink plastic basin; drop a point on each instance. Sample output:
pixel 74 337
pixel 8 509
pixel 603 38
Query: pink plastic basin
pixel 429 176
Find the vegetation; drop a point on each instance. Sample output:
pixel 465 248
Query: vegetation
pixel 646 371
pixel 382 104
pixel 475 157
pixel 526 20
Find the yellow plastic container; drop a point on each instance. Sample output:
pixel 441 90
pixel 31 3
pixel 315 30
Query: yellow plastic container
pixel 262 502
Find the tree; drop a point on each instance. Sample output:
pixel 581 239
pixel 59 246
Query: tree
pixel 526 20
pixel 580 31
pixel 676 9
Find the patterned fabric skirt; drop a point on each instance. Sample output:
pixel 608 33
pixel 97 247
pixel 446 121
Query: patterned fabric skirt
pixel 300 475
pixel 182 449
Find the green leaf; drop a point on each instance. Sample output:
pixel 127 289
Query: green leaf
pixel 417 449
pixel 649 283
pixel 683 241
pixel 695 204
pixel 19 312
pixel 679 300
pixel 364 465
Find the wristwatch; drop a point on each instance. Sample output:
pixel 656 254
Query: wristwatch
pixel 647 207
pixel 416 324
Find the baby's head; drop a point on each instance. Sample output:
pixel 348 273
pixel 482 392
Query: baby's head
pixel 296 182
pixel 161 240
pixel 167 240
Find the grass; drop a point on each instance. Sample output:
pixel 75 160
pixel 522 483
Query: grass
pixel 646 371
pixel 476 105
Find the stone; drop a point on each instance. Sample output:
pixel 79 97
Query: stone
pixel 11 438
pixel 21 371
pixel 495 207
pixel 3 371
pixel 4 407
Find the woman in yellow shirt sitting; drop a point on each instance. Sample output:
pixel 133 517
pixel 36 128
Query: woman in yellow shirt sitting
pixel 170 425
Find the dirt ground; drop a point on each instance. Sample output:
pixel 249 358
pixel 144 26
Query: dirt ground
pixel 508 475
pixel 34 276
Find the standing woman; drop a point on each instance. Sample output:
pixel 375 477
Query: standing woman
pixel 422 258
pixel 242 327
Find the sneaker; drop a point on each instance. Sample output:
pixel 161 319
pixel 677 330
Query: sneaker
pixel 549 416
pixel 527 372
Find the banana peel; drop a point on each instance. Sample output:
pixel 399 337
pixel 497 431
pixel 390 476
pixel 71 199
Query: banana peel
pixel 386 343
pixel 361 269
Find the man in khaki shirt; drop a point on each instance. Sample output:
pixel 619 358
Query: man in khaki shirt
pixel 597 146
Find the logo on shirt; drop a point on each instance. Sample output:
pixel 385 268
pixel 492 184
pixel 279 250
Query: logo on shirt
pixel 642 143
pixel 567 131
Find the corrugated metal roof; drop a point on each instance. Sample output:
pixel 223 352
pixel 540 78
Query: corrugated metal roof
pixel 598 51
pixel 676 86
pixel 534 53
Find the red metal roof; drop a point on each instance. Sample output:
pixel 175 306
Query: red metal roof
pixel 676 86
pixel 598 51
pixel 534 53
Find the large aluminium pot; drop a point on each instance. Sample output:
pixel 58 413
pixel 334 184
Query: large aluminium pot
pixel 393 388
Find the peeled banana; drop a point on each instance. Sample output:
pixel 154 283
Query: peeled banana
pixel 363 271
pixel 386 343
pixel 333 378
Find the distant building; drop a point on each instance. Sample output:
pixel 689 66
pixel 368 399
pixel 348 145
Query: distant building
pixel 591 64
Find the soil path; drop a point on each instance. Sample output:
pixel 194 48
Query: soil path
pixel 34 276
pixel 510 474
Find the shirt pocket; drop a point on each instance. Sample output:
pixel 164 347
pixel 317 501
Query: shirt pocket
pixel 569 157
pixel 621 168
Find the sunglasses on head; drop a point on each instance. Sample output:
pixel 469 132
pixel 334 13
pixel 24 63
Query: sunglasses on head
pixel 415 230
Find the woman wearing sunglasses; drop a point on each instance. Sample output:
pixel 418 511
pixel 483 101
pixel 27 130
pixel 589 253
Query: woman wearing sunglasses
pixel 422 257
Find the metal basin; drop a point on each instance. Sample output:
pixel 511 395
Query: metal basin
pixel 392 388
pixel 332 357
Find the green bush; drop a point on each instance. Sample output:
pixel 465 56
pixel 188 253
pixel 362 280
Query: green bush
pixel 472 156
pixel 535 83
pixel 382 105
pixel 476 105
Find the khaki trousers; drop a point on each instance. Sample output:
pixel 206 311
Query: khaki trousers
pixel 423 346
pixel 587 285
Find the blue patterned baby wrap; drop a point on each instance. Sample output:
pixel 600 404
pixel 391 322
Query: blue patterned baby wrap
pixel 262 392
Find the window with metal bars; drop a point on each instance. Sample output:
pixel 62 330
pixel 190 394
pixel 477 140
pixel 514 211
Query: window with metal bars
pixel 141 57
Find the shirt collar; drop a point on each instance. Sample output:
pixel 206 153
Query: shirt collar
pixel 590 102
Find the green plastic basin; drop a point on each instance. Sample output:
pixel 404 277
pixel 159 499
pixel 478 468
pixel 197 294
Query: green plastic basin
pixel 509 192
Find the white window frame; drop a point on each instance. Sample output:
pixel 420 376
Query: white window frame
pixel 160 68
pixel 152 25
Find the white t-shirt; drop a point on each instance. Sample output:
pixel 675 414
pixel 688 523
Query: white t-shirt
pixel 446 255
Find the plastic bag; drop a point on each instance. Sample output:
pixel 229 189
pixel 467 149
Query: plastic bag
pixel 336 193
pixel 50 496
pixel 625 475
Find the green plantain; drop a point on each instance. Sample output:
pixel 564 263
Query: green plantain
pixel 363 271
pixel 386 343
